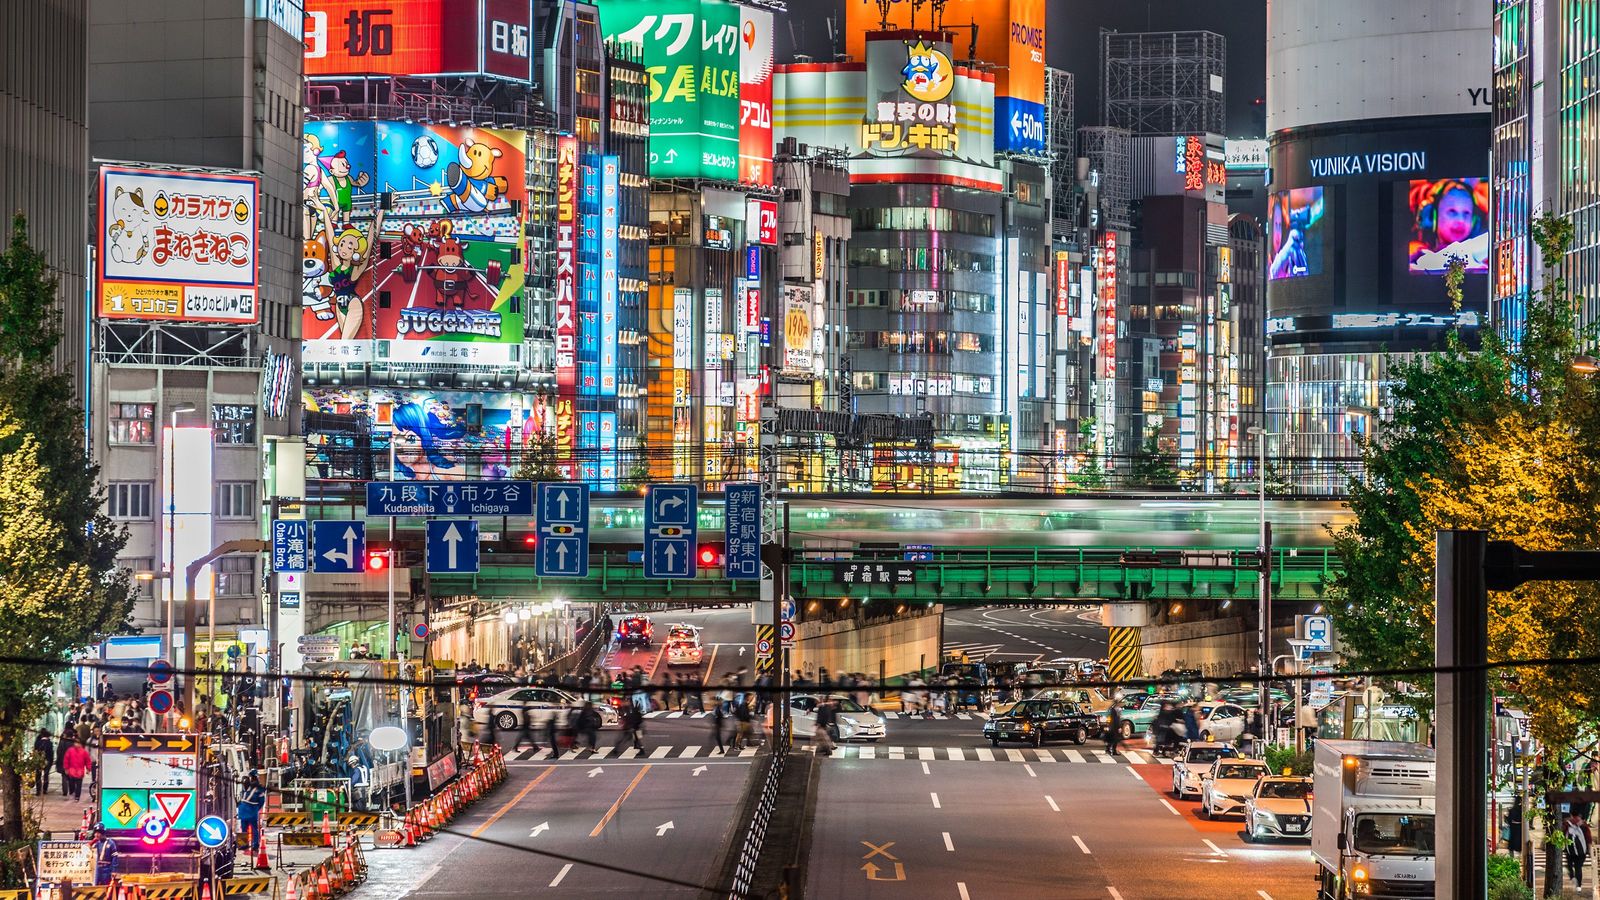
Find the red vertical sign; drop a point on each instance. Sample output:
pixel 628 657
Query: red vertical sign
pixel 755 96
pixel 566 290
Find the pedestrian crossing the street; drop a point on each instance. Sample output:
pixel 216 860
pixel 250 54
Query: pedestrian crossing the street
pixel 1088 756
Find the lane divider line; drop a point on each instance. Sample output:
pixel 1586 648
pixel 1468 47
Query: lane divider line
pixel 556 882
pixel 1081 845
pixel 925 768
pixel 1052 801
pixel 1114 894
pixel 1030 771
pixel 1135 773
pixel 1264 895
pixel 935 800
pixel 1218 851
pixel 1170 808
pixel 512 802
pixel 606 819
pixel 961 888
pixel 952 847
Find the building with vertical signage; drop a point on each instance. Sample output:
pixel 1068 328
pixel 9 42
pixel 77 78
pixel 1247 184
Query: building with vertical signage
pixel 196 120
pixel 47 175
pixel 1373 192
pixel 1538 158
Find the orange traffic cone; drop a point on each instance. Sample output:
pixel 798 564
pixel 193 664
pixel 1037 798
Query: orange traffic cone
pixel 327 831
pixel 408 832
pixel 323 887
pixel 349 866
pixel 262 862
pixel 205 890
pixel 293 891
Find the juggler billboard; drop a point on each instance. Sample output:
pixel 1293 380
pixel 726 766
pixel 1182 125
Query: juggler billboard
pixel 177 246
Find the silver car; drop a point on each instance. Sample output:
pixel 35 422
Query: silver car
pixel 855 722
pixel 541 702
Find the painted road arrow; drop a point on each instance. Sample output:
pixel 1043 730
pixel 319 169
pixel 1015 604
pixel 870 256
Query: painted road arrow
pixel 663 828
pixel 539 828
pixel 595 771
pixel 697 771
pixel 872 872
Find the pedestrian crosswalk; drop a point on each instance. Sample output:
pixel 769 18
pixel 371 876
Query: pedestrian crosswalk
pixel 1071 755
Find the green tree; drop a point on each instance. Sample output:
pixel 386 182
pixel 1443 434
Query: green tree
pixel 1150 467
pixel 541 460
pixel 60 590
pixel 1505 439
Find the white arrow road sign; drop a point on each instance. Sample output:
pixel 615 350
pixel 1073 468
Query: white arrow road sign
pixel 539 829
pixel 663 828
pixel 595 771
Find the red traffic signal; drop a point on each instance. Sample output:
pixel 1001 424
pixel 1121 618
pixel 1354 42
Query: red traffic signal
pixel 530 541
pixel 377 561
pixel 710 555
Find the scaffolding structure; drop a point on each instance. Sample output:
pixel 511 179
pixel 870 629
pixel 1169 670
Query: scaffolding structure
pixel 1109 153
pixel 1163 82
pixel 1060 101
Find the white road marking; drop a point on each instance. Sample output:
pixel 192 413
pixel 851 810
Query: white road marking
pixel 1044 755
pixel 1013 754
pixel 629 753
pixel 925 769
pixel 1218 851
pixel 948 845
pixel 1102 757
pixel 561 874
pixel 660 752
pixel 955 754
pixel 1029 769
pixel 1264 895
pixel 869 752
pixel 748 751
pixel 961 888
pixel 936 801
pixel 1114 894
pixel 1135 773
pixel 985 754
pixel 1073 756
pixel 1081 845
pixel 924 753
pixel 1170 808
pixel 691 750
pixel 1052 801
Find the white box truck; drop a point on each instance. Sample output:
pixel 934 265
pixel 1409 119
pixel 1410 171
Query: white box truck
pixel 1372 820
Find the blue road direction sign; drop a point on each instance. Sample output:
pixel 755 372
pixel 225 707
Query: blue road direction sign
pixel 340 546
pixel 212 832
pixel 289 545
pixel 563 517
pixel 449 498
pixel 452 546
pixel 741 532
pixel 669 531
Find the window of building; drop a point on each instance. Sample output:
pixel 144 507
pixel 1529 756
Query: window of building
pixel 139 587
pixel 129 499
pixel 236 499
pixel 132 423
pixel 236 576
pixel 233 423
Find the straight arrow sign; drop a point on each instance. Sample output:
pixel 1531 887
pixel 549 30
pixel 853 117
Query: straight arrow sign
pixel 595 771
pixel 452 538
pixel 663 828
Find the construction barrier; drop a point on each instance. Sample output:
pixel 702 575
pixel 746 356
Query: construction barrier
pixel 340 820
pixel 16 894
pixel 241 887
pixel 423 820
pixel 165 891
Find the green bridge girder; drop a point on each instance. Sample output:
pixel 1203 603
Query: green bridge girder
pixel 954 575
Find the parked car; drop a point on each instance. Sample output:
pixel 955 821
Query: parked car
pixel 1038 721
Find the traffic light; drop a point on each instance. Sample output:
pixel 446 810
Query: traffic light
pixel 377 560
pixel 710 555
pixel 530 541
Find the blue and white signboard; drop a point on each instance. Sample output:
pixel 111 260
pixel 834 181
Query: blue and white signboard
pixel 449 498
pixel 669 530
pixel 340 546
pixel 741 532
pixel 452 546
pixel 1019 126
pixel 1318 631
pixel 563 516
pixel 212 832
pixel 289 545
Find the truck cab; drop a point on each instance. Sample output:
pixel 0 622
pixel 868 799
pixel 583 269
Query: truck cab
pixel 1373 819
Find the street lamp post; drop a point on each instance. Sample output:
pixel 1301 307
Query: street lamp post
pixel 172 524
pixel 1264 588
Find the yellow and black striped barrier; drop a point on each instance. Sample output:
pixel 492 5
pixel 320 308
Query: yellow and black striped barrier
pixel 1125 662
pixel 91 892
pixel 23 894
pixel 340 820
pixel 240 887
pixel 167 892
pixel 311 838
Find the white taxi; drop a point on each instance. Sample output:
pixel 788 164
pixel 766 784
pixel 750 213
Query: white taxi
pixel 683 646
pixel 1229 786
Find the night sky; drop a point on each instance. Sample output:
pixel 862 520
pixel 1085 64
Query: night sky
pixel 1073 31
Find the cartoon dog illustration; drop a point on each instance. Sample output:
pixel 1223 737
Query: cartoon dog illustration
pixel 128 235
pixel 315 292
pixel 472 182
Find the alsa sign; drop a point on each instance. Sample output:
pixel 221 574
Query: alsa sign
pixel 419 37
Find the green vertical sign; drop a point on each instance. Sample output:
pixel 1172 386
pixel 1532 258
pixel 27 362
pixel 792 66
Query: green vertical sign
pixel 691 51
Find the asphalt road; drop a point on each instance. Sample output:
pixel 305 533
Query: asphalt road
pixel 724 633
pixel 615 828
pixel 997 635
pixel 922 830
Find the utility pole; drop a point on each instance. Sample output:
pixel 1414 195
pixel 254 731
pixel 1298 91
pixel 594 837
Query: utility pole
pixel 1264 627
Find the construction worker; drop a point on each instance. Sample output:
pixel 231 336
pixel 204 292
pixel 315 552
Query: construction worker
pixel 252 797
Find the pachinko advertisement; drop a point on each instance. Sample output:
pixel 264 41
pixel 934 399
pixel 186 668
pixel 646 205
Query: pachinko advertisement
pixel 440 435
pixel 411 243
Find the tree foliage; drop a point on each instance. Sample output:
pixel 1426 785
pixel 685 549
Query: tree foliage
pixel 1505 439
pixel 60 590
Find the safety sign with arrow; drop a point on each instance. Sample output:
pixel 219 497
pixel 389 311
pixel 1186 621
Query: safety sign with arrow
pixel 563 543
pixel 340 546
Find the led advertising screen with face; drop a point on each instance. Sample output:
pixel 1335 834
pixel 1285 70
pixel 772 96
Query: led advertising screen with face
pixel 1448 218
pixel 1296 224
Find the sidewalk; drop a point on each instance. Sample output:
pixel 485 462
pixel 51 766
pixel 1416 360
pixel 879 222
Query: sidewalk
pixel 57 814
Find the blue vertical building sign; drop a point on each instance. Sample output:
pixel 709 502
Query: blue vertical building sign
pixel 741 532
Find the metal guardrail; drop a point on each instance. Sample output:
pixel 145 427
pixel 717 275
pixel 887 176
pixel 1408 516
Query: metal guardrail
pixel 755 836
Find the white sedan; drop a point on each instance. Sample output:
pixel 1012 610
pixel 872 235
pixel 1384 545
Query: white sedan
pixel 856 722
pixel 1222 722
pixel 1279 808
pixel 541 702
pixel 1229 786
pixel 684 652
pixel 1193 761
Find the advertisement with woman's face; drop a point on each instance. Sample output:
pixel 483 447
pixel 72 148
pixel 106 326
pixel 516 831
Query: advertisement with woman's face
pixel 1449 219
pixel 1295 219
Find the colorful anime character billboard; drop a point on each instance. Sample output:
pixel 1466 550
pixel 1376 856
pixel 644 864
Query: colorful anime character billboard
pixel 1449 218
pixel 412 235
pixel 444 434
